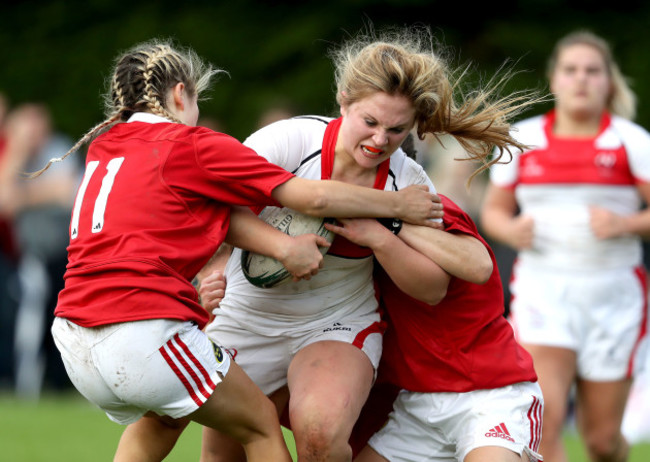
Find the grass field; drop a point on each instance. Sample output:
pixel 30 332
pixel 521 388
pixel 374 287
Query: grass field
pixel 66 428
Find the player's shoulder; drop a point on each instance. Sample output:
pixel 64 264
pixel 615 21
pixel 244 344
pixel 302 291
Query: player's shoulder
pixel 399 161
pixel 302 124
pixel 532 126
pixel 406 170
pixel 297 130
pixel 530 122
pixel 181 133
pixel 630 131
pixel 315 121
pixel 530 132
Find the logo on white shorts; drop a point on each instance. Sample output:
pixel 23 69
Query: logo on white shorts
pixel 500 431
pixel 337 326
pixel 218 354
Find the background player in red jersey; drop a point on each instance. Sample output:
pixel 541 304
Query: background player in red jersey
pixel 153 206
pixel 579 289
pixel 463 388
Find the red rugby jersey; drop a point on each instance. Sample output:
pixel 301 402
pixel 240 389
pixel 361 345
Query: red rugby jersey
pixel 464 343
pixel 153 207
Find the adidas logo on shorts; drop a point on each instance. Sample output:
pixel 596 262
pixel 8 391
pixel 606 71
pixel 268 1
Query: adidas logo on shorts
pixel 500 431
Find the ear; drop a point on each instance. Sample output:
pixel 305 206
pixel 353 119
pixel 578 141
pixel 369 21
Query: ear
pixel 177 93
pixel 343 106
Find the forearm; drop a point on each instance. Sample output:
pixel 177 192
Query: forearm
pixel 638 224
pixel 462 256
pixel 496 224
pixel 337 199
pixel 414 273
pixel 248 232
pixel 498 215
pixel 217 262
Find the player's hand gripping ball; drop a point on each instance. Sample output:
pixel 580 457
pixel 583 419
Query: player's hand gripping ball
pixel 263 271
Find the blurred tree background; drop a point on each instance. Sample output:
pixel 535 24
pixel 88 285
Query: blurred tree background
pixel 60 52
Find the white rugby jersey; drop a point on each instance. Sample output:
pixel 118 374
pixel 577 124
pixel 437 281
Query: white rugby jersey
pixel 558 179
pixel 305 146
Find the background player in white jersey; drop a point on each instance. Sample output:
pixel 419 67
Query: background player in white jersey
pixel 579 287
pixel 153 206
pixel 316 344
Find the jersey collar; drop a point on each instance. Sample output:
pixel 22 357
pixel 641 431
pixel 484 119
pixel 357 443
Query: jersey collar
pixel 147 117
pixel 605 120
pixel 327 156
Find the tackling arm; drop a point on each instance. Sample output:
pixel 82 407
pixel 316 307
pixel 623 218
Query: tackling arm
pixel 414 273
pixel 330 198
pixel 460 255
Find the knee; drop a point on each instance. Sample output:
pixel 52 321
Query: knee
pixel 607 446
pixel 319 441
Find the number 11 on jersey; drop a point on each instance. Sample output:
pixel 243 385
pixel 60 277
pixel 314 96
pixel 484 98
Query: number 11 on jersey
pixel 102 198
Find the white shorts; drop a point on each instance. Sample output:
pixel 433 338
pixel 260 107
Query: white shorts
pixel 427 427
pixel 601 315
pixel 266 359
pixel 165 366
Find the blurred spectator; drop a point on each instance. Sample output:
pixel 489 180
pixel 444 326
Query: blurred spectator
pixel 40 210
pixel 8 270
pixel 275 112
pixel 211 123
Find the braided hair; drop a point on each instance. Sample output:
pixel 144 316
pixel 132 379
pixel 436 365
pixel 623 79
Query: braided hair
pixel 140 81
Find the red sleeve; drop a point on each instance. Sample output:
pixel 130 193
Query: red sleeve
pixel 455 219
pixel 221 167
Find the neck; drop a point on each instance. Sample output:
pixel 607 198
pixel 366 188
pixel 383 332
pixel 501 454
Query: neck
pixel 576 126
pixel 347 170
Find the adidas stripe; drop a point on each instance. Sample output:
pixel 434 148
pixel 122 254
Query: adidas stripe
pixel 188 369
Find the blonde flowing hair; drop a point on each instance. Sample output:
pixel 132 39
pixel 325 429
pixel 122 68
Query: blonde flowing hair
pixel 407 62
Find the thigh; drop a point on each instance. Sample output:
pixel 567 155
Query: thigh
pixel 496 454
pixel 219 447
pixel 556 373
pixel 328 383
pixel 237 408
pixel 601 406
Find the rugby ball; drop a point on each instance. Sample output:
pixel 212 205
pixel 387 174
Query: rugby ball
pixel 265 272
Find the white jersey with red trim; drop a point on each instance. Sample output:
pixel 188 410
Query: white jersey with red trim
pixel 344 285
pixel 557 181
